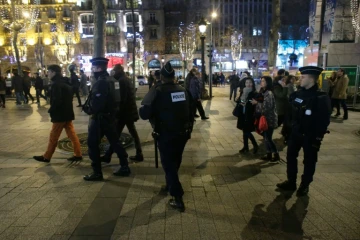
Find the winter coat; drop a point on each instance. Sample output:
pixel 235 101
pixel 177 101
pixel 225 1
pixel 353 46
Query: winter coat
pixel 246 120
pixel 234 80
pixel 39 84
pixel 195 88
pixel 74 80
pixel 2 86
pixel 27 83
pixel 61 101
pixel 340 87
pixel 188 79
pixel 128 110
pixel 267 108
pixel 281 98
pixel 17 83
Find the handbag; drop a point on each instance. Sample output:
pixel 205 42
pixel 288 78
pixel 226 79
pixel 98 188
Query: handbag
pixel 237 110
pixel 261 125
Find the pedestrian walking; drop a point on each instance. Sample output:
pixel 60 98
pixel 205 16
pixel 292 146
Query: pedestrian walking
pixel 267 108
pixel 39 86
pixel 280 91
pixel 102 105
pixel 17 84
pixel 151 79
pixel 195 90
pixel 127 114
pixel 169 110
pixel 46 83
pixel 334 103
pixel 75 84
pixel 339 93
pixel 83 84
pixel 27 87
pixel 234 84
pixel 61 114
pixel 246 118
pixel 310 119
pixel 2 91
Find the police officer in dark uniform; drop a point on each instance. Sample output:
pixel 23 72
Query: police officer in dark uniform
pixel 102 105
pixel 168 107
pixel 310 118
pixel 157 78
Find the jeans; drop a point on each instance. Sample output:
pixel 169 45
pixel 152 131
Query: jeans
pixel 19 97
pixel 269 143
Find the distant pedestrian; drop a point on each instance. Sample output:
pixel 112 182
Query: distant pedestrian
pixel 83 84
pixel 61 114
pixel 195 90
pixel 2 91
pixel 27 87
pixel 234 84
pixel 17 84
pixel 46 84
pixel 75 85
pixel 39 86
pixel 339 94
pixel 151 79
pixel 280 91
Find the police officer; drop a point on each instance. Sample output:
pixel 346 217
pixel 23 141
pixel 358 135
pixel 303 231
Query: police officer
pixel 157 78
pixel 102 105
pixel 168 108
pixel 310 118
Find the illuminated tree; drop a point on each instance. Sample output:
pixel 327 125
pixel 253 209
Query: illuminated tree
pixel 18 16
pixel 236 45
pixel 187 43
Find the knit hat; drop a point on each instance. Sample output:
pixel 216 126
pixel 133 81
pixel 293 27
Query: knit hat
pixel 157 74
pixel 117 68
pixel 243 76
pixel 168 71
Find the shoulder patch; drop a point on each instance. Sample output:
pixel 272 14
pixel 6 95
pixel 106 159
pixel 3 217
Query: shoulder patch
pixel 178 97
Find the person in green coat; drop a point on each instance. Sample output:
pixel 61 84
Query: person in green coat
pixel 280 91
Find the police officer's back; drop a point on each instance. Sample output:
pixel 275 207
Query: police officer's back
pixel 310 118
pixel 168 107
pixel 102 104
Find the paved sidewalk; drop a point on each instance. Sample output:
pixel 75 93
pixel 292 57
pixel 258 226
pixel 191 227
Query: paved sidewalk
pixel 227 196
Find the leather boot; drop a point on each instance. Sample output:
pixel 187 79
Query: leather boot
pixel 302 190
pixel 93 177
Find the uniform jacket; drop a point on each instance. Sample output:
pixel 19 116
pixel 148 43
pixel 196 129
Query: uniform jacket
pixel 234 80
pixel 27 83
pixel 281 98
pixel 246 120
pixel 39 84
pixel 168 107
pixel 310 112
pixel 128 110
pixel 195 88
pixel 268 109
pixel 340 87
pixel 61 101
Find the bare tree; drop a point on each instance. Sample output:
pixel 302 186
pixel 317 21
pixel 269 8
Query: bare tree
pixel 134 40
pixel 99 9
pixel 274 33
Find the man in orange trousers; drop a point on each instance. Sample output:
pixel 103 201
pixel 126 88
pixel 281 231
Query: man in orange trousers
pixel 61 113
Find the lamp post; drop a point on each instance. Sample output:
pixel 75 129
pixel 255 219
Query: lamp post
pixel 213 16
pixel 202 29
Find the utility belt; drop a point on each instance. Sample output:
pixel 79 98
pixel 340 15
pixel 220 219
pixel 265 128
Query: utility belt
pixel 161 128
pixel 103 116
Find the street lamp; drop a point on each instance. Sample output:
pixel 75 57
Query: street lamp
pixel 213 16
pixel 253 60
pixel 202 29
pixel 162 61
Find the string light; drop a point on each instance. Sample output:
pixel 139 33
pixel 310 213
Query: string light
pixel 236 45
pixel 187 41
pixel 354 6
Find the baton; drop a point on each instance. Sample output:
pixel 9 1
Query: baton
pixel 154 134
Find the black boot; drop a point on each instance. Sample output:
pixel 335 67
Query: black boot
pixel 302 190
pixel 256 148
pixel 41 159
pixel 276 157
pixel 287 185
pixel 123 171
pixel 244 150
pixel 137 158
pixel 267 157
pixel 93 177
pixel 345 116
pixel 177 203
pixel 74 159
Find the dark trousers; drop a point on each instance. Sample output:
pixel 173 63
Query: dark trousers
pixel 171 148
pixel 310 158
pixel 39 94
pixel 269 143
pixel 341 102
pixel 98 128
pixel 2 96
pixel 77 93
pixel 26 94
pixel 233 90
pixel 132 130
pixel 46 91
pixel 281 119
pixel 246 137
pixel 200 108
pixel 335 103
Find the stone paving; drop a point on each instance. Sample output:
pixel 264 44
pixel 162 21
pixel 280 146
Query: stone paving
pixel 227 196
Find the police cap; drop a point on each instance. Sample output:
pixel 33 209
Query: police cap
pixel 311 70
pixel 157 73
pixel 99 61
pixel 167 71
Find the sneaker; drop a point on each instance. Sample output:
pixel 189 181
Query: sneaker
pixel 75 158
pixel 137 158
pixel 41 159
pixel 123 172
pixel 93 177
pixel 105 159
pixel 287 186
pixel 177 203
pixel 302 190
